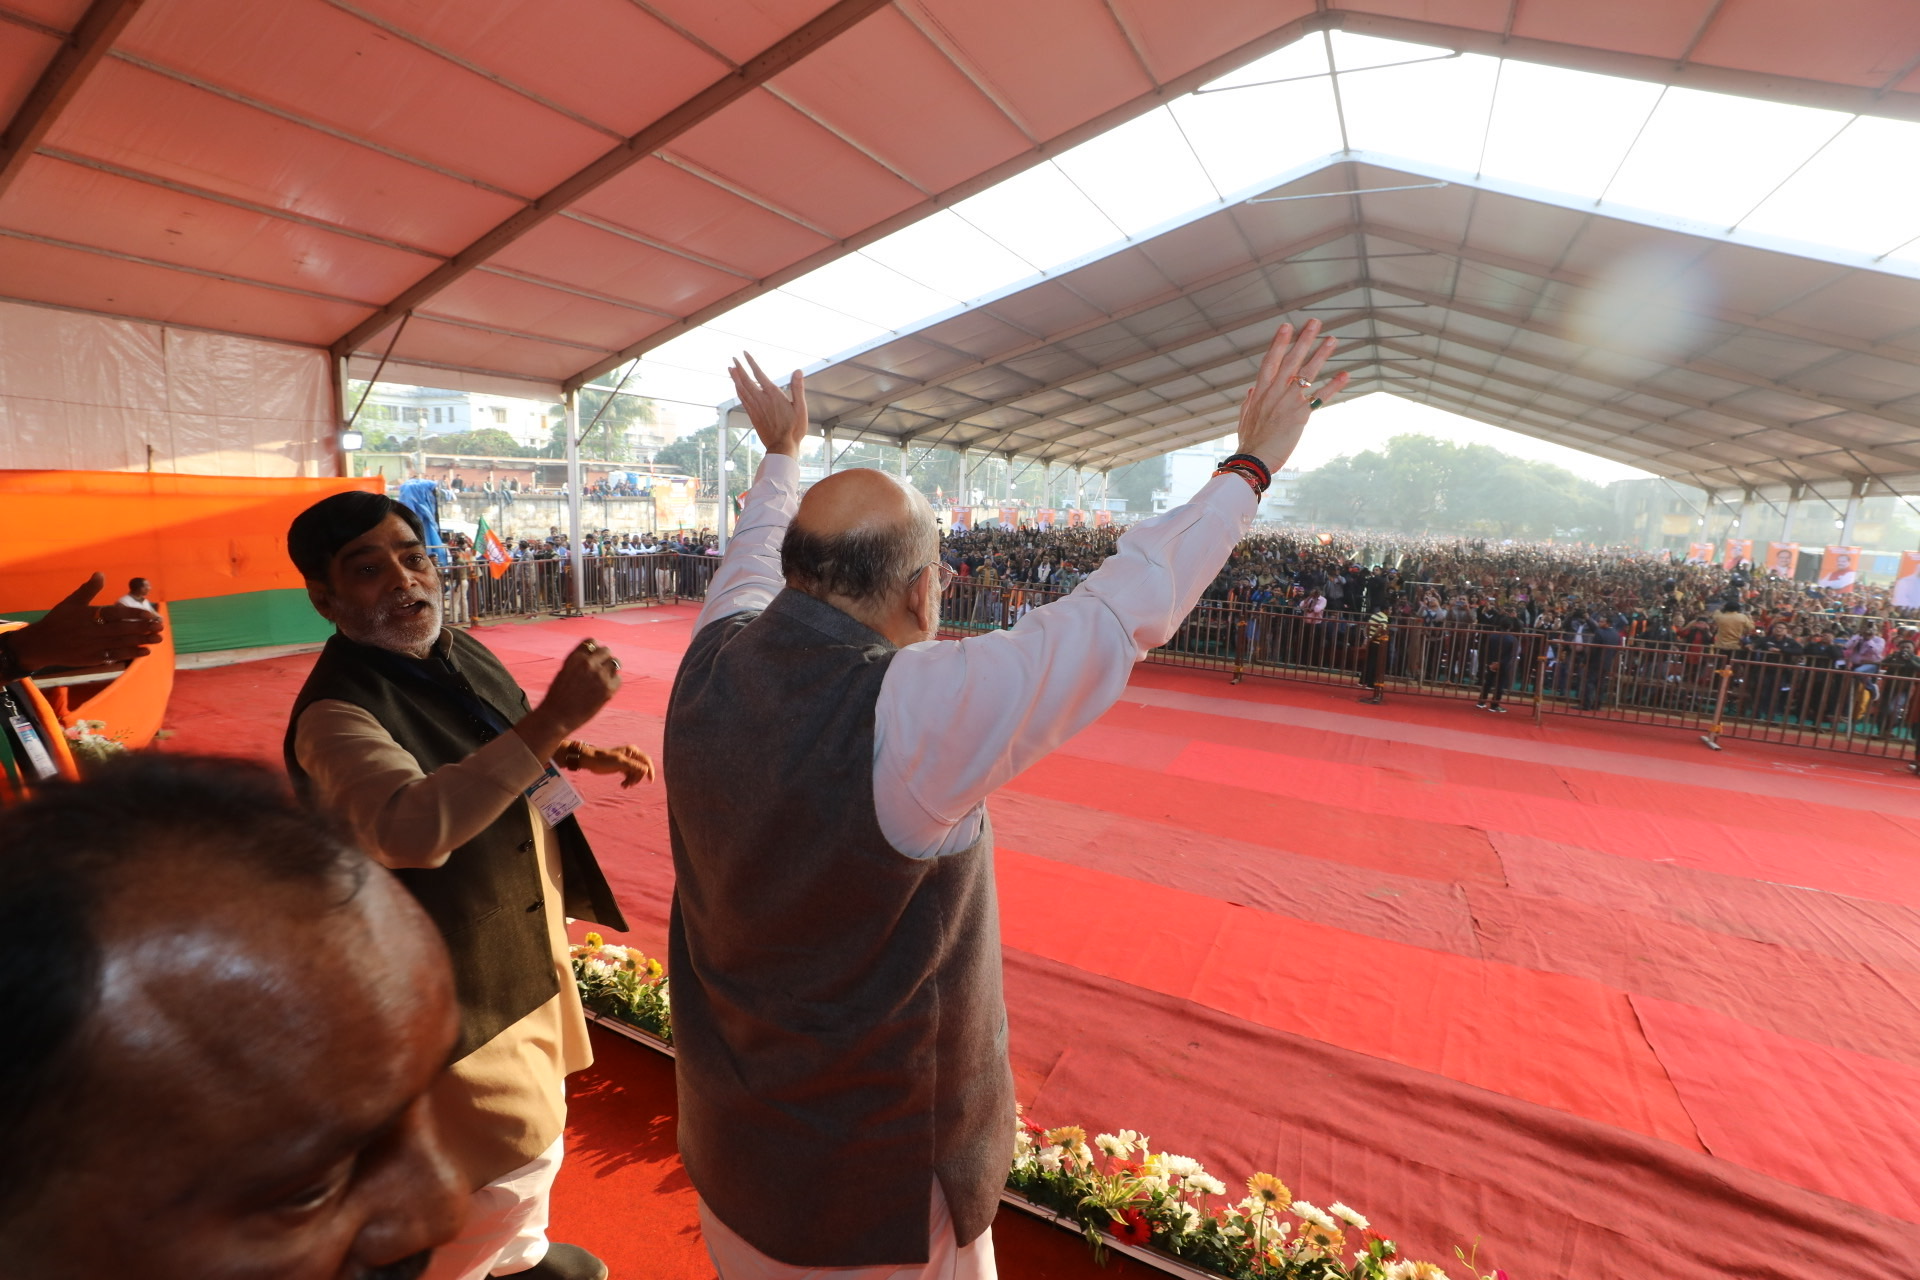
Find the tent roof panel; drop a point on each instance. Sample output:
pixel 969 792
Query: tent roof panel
pixel 75 203
pixel 317 62
pixel 150 124
pixel 616 64
pixel 941 129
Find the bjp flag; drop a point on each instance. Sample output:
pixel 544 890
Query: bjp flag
pixel 1738 550
pixel 1783 559
pixel 498 557
pixel 1839 568
pixel 1906 583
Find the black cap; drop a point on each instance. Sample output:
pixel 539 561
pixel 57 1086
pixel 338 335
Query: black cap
pixel 317 534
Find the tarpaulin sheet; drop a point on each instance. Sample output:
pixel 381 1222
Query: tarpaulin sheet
pixel 1402 845
pixel 1860 929
pixel 1793 992
pixel 1459 1017
pixel 1842 1123
pixel 194 537
pixel 1367 795
pixel 1409 909
pixel 92 393
pixel 1432 1161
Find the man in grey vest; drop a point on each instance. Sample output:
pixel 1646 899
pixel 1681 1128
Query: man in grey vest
pixel 845 1096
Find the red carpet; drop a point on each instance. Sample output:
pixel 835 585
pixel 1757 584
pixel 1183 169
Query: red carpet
pixel 1612 1004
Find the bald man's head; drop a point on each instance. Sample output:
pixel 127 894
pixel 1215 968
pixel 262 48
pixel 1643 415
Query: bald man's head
pixel 858 535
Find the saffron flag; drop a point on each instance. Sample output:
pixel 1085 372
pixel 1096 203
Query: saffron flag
pixel 498 558
pixel 1839 568
pixel 1906 581
pixel 1783 559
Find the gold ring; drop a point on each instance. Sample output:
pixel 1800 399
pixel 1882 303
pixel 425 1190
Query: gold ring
pixel 592 647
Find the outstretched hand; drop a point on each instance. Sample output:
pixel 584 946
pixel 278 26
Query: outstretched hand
pixel 630 762
pixel 1276 410
pixel 779 416
pixel 75 634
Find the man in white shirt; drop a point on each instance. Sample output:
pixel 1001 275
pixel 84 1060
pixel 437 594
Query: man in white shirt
pixel 136 598
pixel 835 944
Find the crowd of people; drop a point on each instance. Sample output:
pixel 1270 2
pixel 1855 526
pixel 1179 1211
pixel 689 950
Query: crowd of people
pixel 1587 624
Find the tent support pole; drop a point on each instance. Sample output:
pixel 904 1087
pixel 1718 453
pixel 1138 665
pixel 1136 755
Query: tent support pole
pixel 576 557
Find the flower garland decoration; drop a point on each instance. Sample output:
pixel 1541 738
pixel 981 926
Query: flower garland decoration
pixel 90 747
pixel 1167 1202
pixel 1126 1192
pixel 621 982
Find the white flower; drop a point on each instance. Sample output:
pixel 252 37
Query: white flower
pixel 1205 1184
pixel 1252 1207
pixel 1187 1218
pixel 1180 1166
pixel 1113 1145
pixel 1154 1182
pixel 1348 1216
pixel 1301 1209
pixel 1132 1139
pixel 1050 1159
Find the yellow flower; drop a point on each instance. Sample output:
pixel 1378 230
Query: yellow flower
pixel 1329 1242
pixel 1068 1136
pixel 654 968
pixel 594 941
pixel 1269 1188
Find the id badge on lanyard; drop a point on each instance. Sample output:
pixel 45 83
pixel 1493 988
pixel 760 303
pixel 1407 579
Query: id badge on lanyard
pixel 39 759
pixel 553 796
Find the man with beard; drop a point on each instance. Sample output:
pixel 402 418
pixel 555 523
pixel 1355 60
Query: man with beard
pixel 422 742
pixel 223 1024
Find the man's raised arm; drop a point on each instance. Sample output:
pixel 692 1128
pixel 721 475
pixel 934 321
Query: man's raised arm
pixel 749 576
pixel 956 721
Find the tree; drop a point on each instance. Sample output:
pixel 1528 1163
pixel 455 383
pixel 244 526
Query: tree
pixel 1137 484
pixel 487 442
pixel 607 438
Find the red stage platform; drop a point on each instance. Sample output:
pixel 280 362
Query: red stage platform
pixel 1613 1005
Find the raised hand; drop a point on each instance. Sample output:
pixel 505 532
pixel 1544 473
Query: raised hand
pixel 779 416
pixel 75 634
pixel 1276 410
pixel 586 682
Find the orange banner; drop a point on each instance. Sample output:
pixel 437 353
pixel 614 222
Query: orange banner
pixel 1101 519
pixel 1009 517
pixel 1076 518
pixel 1739 550
pixel 192 536
pixel 1906 583
pixel 1700 553
pixel 1045 517
pixel 1839 567
pixel 962 518
pixel 1783 559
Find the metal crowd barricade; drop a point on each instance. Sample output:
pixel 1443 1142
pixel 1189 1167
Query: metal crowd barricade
pixel 546 586
pixel 1668 685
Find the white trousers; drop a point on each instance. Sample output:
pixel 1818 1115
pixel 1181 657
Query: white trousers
pixel 735 1259
pixel 506 1229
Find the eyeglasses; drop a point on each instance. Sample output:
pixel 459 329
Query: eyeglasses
pixel 946 571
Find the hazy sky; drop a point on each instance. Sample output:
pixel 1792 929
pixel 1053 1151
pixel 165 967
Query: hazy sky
pixel 1369 422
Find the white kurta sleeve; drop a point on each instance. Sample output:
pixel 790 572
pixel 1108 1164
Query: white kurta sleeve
pixel 955 720
pixel 749 574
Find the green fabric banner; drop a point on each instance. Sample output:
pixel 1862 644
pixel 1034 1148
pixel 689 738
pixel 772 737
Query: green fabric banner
pixel 248 620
